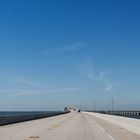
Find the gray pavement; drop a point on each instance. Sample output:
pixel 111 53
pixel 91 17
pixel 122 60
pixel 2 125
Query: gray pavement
pixel 72 126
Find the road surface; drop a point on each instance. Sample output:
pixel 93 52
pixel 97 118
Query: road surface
pixel 72 126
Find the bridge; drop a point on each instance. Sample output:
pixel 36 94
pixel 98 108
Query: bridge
pixel 70 109
pixel 74 126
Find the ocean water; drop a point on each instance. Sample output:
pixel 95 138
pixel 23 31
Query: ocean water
pixel 18 113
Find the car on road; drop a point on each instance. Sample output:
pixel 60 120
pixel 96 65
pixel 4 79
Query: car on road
pixel 79 111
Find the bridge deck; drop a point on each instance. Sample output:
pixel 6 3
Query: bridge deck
pixel 72 126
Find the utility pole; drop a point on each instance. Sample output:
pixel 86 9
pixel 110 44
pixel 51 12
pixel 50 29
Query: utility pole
pixel 85 106
pixel 80 105
pixel 94 103
pixel 112 102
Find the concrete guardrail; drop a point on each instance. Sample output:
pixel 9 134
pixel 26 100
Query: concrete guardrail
pixel 5 120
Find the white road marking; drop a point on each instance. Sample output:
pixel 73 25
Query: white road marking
pixel 104 130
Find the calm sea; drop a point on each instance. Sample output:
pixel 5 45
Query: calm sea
pixel 17 113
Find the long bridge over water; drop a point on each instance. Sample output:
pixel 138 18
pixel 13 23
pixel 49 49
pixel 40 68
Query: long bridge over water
pixel 75 125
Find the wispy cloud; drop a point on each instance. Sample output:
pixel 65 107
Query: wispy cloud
pixel 18 80
pixel 36 88
pixel 68 48
pixel 108 87
pixel 90 71
pixel 26 92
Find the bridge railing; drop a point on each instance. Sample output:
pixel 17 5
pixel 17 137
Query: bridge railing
pixel 10 119
pixel 135 114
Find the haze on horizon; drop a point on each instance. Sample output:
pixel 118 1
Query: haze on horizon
pixel 58 53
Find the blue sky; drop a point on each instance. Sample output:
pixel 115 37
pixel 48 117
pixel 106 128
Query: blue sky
pixel 57 53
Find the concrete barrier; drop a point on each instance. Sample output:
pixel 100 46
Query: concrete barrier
pixel 129 124
pixel 5 120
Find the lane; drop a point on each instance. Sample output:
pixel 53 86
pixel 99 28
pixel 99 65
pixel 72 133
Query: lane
pixel 86 127
pixel 77 128
pixel 29 130
pixel 116 132
pixel 72 126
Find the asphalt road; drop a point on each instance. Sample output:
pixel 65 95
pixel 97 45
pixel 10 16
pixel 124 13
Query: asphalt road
pixel 72 126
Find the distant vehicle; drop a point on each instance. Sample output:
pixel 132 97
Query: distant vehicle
pixel 79 111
